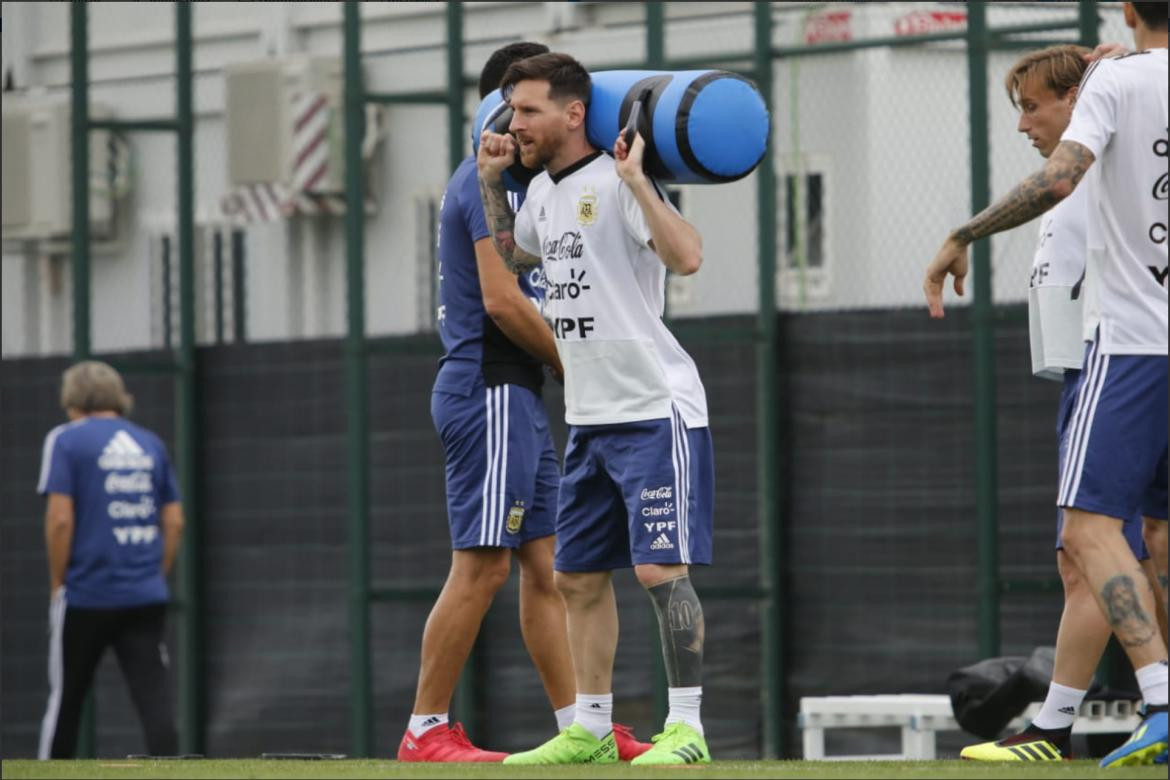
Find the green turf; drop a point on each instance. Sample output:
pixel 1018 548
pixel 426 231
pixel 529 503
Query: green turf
pixel 830 770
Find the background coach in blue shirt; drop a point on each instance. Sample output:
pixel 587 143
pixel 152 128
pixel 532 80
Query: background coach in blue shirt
pixel 112 528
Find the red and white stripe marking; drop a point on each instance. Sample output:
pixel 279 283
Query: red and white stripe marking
pixel 271 201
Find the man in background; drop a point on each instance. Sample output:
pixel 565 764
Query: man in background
pixel 1116 463
pixel 112 528
pixel 1043 86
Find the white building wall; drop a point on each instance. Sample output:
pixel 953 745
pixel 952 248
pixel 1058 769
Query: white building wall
pixel 888 126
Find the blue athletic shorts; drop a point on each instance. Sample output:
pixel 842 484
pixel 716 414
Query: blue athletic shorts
pixel 1115 460
pixel 639 492
pixel 502 473
pixel 1132 527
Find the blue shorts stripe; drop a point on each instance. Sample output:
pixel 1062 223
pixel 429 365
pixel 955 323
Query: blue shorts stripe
pixel 681 479
pixel 676 467
pixel 1075 426
pixel 497 483
pixel 502 498
pixel 1088 397
pixel 684 524
pixel 1100 385
pixel 487 473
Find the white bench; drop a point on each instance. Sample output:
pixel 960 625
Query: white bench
pixel 921 716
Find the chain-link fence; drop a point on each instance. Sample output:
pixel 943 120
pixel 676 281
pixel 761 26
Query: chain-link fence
pixel 875 503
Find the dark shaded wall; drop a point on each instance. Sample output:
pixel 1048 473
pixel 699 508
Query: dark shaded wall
pixel 879 567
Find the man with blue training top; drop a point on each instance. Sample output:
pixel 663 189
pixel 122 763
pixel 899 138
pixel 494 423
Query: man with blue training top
pixel 112 529
pixel 502 471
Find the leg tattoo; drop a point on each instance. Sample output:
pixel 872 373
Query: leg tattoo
pixel 1124 611
pixel 680 625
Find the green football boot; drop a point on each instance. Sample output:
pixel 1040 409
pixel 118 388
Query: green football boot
pixel 677 744
pixel 574 745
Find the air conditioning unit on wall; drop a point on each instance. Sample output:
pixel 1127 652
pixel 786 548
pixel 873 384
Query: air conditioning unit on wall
pixel 284 123
pixel 38 174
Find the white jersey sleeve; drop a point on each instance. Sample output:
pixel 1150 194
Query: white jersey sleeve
pixel 632 215
pixel 1094 121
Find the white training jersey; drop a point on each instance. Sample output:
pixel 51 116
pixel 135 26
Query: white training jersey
pixel 604 294
pixel 1121 117
pixel 1056 287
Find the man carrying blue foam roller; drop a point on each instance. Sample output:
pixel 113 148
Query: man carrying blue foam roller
pixel 639 468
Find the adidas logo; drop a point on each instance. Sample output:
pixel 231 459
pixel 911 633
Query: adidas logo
pixel 594 706
pixel 1068 710
pixel 541 218
pixel 689 753
pixel 122 452
pixel 1040 750
pixel 123 442
pixel 661 543
pixel 431 721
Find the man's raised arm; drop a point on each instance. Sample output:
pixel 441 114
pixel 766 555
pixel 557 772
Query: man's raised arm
pixel 496 153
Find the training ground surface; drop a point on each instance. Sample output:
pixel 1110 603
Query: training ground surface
pixel 247 768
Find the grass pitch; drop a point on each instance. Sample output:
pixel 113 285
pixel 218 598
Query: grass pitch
pixel 329 769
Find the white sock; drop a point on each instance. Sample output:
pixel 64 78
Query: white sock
pixel 1152 679
pixel 421 724
pixel 565 716
pixel 594 712
pixel 684 706
pixel 1060 707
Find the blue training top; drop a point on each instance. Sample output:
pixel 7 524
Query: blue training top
pixel 119 476
pixel 476 349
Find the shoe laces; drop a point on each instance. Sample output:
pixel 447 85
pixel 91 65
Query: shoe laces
pixel 460 736
pixel 669 730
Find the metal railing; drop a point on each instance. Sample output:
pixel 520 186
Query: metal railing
pixel 770 468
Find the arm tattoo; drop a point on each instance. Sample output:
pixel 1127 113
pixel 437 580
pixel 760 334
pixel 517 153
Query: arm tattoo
pixel 1033 196
pixel 501 221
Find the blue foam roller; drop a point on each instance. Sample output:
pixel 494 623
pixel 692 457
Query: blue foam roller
pixel 705 126
pixel 700 126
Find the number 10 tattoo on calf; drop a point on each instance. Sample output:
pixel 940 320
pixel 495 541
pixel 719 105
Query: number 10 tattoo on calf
pixel 680 625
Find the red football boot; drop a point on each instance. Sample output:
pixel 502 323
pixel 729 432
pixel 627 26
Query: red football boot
pixel 628 745
pixel 444 744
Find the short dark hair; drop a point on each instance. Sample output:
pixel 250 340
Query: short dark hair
pixel 1153 15
pixel 493 69
pixel 566 77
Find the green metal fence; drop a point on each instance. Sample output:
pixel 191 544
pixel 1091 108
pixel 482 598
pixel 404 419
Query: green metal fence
pixel 763 56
